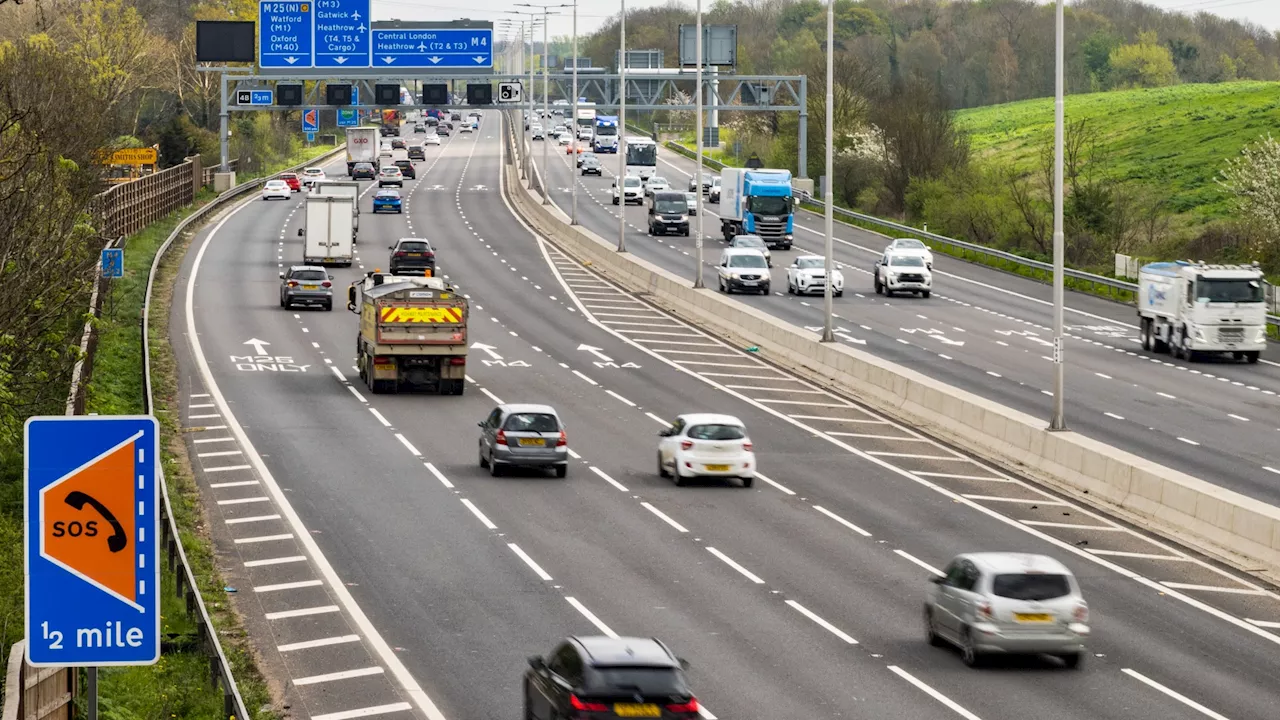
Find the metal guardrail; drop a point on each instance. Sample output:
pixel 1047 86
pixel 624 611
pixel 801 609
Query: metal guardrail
pixel 961 248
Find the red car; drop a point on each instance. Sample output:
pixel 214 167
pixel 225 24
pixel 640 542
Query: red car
pixel 292 179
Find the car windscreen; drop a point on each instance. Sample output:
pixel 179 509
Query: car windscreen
pixel 631 181
pixel 387 195
pixel 1238 291
pixel 404 164
pixel 391 170
pixel 811 262
pixel 670 206
pixel 911 244
pixel 748 242
pixel 364 166
pixel 277 184
pixel 642 680
pixel 414 247
pixel 906 261
pixel 747 261
pixel 717 432
pixel 531 422
pixel 1034 586
pixel 308 275
pixel 657 181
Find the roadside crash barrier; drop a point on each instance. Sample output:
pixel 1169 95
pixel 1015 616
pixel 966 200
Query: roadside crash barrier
pixel 1225 524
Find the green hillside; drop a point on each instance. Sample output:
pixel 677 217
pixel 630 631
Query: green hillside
pixel 1175 138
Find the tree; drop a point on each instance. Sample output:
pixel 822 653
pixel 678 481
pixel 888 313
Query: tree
pixel 1142 64
pixel 111 39
pixel 1253 179
pixel 1004 72
pixel 920 136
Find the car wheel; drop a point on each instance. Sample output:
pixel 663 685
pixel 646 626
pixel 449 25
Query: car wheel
pixel 615 201
pixel 1072 660
pixel 328 306
pixel 931 630
pixel 839 293
pixel 662 471
pixel 562 470
pixel 528 711
pixel 281 301
pixel 879 287
pixel 721 282
pixel 791 288
pixel 676 476
pixel 765 290
pixel 926 294
pixel 968 652
pixel 747 481
pixel 494 470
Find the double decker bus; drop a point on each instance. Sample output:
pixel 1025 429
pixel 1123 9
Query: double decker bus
pixel 642 156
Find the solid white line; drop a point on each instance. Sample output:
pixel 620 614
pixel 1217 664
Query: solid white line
pixel 337 587
pixel 889 438
pixel 288 586
pixel 805 402
pixel 729 561
pixel 322 642
pixel 1113 415
pixel 1238 417
pixel 238 483
pixel 951 704
pixel 205 405
pixel 1023 501
pixel 610 480
pixel 616 395
pixel 304 612
pixel 826 625
pixel 1167 395
pixel 264 538
pixel 1264 623
pixel 1138 555
pixel 199 395
pixel 201 417
pixel 917 457
pixel 492 397
pixel 664 517
pixel 243 501
pixel 1268 468
pixel 404 441
pixel 227 468
pixel 761 388
pixel 584 377
pixel 1213 588
pixel 591 616
pixel 1189 442
pixel 529 561
pixel 963 477
pixel 476 511
pixel 213 440
pixel 344 675
pixel 275 561
pixel 1070 526
pixel 439 476
pixel 838 419
pixel 842 521
pixel 219 453
pixel 255 518
pixel 1175 695
pixel 381 419
pixel 908 556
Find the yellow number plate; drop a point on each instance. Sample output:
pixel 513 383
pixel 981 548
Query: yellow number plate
pixel 539 442
pixel 1033 617
pixel 634 710
pixel 718 468
pixel 310 287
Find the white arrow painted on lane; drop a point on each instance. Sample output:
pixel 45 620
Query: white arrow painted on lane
pixel 259 346
pixel 487 348
pixel 595 351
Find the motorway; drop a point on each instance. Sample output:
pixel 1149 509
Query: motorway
pixel 990 333
pixel 382 573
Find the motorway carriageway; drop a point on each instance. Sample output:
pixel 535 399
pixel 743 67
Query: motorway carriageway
pixel 990 333
pixel 384 574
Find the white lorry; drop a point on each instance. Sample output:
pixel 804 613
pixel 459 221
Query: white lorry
pixel 1192 308
pixel 347 189
pixel 329 231
pixel 362 146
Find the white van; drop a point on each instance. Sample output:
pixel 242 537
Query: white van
pixel 744 269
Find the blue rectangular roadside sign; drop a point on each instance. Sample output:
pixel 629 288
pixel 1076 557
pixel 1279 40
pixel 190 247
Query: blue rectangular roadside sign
pixel 285 34
pixel 348 118
pixel 433 48
pixel 113 262
pixel 311 120
pixel 342 33
pixel 91 494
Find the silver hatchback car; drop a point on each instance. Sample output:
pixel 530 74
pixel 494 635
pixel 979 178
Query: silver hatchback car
pixel 1007 603
pixel 523 435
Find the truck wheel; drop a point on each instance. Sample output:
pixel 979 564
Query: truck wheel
pixel 1252 357
pixel 1145 332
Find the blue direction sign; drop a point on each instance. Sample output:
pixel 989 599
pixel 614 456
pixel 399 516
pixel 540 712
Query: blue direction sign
pixel 113 262
pixel 433 48
pixel 310 120
pixel 348 118
pixel 92 496
pixel 285 34
pixel 342 33
pixel 255 97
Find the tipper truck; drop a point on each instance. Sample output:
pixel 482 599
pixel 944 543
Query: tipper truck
pixel 757 202
pixel 362 146
pixel 1191 308
pixel 413 334
pixel 329 231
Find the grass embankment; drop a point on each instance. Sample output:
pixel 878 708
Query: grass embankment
pixel 178 685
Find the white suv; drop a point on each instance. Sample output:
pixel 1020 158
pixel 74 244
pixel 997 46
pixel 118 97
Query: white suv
pixel 632 188
pixel 903 272
pixel 743 269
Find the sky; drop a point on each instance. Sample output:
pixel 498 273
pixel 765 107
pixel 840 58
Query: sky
pixel 594 13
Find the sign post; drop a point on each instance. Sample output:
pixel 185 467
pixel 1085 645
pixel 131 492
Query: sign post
pixel 92 538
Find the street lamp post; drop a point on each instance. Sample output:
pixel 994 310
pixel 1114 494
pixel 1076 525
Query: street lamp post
pixel 828 335
pixel 533 21
pixel 546 90
pixel 622 129
pixel 697 173
pixel 1059 421
pixel 573 125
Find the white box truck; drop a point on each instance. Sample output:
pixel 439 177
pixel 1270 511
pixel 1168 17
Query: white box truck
pixel 347 189
pixel 362 146
pixel 329 231
pixel 1192 308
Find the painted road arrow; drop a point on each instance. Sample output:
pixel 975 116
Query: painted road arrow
pixel 595 351
pixel 487 348
pixel 259 346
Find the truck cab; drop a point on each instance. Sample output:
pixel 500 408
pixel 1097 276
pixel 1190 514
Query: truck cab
pixel 758 202
pixel 1193 308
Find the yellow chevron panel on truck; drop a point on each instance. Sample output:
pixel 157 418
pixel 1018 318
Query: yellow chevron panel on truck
pixel 421 315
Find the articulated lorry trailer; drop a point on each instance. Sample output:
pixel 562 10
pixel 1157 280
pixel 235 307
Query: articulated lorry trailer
pixel 1191 308
pixel 413 334
pixel 757 202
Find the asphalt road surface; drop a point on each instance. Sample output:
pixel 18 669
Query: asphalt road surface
pixel 384 574
pixel 990 333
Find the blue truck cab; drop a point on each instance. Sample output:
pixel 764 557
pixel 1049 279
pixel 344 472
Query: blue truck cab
pixel 757 202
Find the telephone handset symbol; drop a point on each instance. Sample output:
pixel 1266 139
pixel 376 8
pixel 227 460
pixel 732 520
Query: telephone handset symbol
pixel 119 539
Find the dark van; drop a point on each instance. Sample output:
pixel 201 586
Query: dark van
pixel 669 213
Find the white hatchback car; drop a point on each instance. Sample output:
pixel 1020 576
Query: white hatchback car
pixel 706 445
pixel 276 189
pixel 655 184
pixel 911 246
pixel 431 139
pixel 312 174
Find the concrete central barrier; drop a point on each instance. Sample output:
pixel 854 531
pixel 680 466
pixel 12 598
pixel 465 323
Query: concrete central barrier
pixel 1222 523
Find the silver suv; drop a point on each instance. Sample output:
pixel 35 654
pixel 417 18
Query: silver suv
pixel 1007 603
pixel 306 285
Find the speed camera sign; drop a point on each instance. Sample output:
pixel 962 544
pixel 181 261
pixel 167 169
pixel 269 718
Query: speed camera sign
pixel 509 92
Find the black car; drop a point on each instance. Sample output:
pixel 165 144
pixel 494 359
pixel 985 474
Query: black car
pixel 591 166
pixel 406 169
pixel 599 677
pixel 364 171
pixel 417 152
pixel 669 213
pixel 455 116
pixel 398 144
pixel 392 130
pixel 411 256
